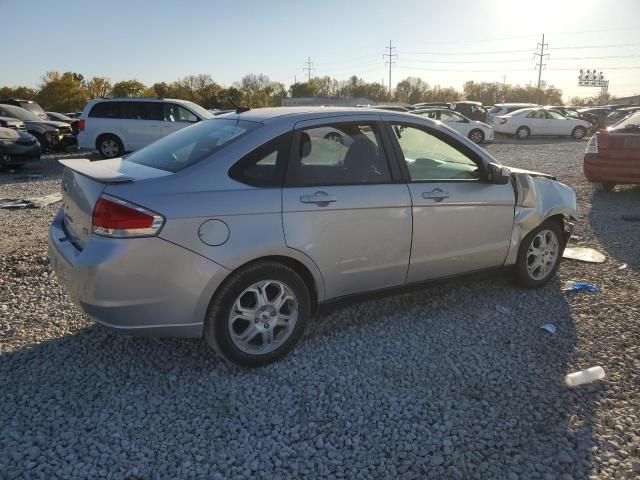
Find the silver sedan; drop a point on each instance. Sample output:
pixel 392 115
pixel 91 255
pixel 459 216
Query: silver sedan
pixel 239 227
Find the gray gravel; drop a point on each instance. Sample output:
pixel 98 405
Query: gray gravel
pixel 452 381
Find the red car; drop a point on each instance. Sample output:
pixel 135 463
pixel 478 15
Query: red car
pixel 613 155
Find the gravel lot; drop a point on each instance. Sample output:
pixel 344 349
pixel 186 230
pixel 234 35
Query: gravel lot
pixel 435 383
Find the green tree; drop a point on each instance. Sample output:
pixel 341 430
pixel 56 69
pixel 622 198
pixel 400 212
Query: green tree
pixel 128 88
pixel 411 90
pixel 25 93
pixel 98 87
pixel 62 93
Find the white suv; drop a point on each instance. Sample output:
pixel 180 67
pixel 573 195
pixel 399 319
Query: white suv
pixel 114 126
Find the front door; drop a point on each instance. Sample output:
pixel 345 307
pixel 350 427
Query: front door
pixel 344 208
pixel 460 222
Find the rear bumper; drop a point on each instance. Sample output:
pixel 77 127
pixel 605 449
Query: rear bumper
pixel 620 171
pixel 139 286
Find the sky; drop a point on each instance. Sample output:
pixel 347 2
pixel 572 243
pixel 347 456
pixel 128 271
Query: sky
pixel 443 42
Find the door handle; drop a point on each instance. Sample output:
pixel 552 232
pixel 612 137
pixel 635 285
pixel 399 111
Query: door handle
pixel 320 198
pixel 436 194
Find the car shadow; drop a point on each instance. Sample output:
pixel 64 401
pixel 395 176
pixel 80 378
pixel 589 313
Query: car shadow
pixel 605 219
pixel 510 140
pixel 453 361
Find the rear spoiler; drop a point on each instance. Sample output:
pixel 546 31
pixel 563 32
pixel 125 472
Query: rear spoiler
pixel 95 170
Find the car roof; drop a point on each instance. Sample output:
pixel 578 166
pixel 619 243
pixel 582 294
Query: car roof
pixel 139 99
pixel 303 113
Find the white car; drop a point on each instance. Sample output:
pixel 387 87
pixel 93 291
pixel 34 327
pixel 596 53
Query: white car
pixel 474 130
pixel 500 109
pixel 540 121
pixel 114 126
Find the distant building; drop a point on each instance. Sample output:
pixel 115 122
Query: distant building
pixel 632 100
pixel 328 102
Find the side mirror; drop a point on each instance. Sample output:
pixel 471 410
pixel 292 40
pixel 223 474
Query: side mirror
pixel 497 174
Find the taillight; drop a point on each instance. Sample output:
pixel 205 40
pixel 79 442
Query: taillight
pixel 81 126
pixel 592 146
pixel 503 121
pixel 114 217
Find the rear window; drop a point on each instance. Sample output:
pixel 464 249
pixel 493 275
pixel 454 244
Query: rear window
pixel 192 144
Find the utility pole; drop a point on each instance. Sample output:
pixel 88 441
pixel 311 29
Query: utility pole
pixel 308 66
pixel 391 60
pixel 540 64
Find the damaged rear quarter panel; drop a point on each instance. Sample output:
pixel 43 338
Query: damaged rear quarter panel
pixel 538 198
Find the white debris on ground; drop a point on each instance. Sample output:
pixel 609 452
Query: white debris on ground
pixel 435 383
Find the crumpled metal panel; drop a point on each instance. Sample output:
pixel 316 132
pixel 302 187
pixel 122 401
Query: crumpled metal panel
pixel 538 198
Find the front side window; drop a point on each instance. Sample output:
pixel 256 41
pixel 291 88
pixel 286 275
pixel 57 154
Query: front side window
pixel 555 115
pixel 339 154
pixel 192 144
pixel 176 113
pixel 428 158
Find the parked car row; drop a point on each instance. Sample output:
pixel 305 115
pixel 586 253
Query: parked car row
pixel 52 135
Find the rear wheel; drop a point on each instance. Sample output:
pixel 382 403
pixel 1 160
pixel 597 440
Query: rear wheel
pixel 259 314
pixel 539 255
pixel 109 146
pixel 476 136
pixel 579 133
pixel 523 133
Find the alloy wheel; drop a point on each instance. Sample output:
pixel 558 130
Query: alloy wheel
pixel 542 254
pixel 263 317
pixel 476 136
pixel 109 147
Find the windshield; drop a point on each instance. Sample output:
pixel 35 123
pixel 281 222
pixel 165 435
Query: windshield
pixel 58 116
pixel 32 107
pixel 204 113
pixel 632 121
pixel 21 113
pixel 192 144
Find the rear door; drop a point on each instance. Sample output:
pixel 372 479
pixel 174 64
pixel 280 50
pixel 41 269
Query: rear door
pixel 175 117
pixel 460 222
pixel 345 206
pixel 141 123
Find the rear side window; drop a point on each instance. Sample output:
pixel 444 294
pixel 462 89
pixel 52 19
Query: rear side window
pixel 339 154
pixel 264 167
pixel 192 144
pixel 106 110
pixel 141 111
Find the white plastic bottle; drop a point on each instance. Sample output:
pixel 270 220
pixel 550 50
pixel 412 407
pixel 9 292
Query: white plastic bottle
pixel 584 376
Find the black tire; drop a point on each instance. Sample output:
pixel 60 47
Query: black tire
pixel 109 146
pixel 217 328
pixel 605 186
pixel 523 133
pixel 476 136
pixel 578 133
pixel 521 268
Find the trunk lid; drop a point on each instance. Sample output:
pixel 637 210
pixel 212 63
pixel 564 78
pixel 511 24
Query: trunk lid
pixel 82 184
pixel 623 143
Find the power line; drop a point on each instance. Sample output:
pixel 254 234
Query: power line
pixel 391 57
pixel 528 50
pixel 541 46
pixel 308 66
pixel 509 69
pixel 584 47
